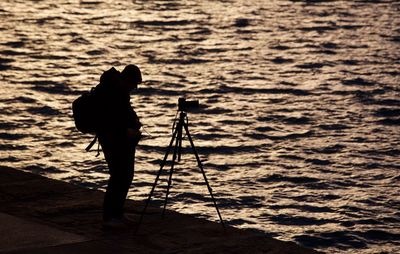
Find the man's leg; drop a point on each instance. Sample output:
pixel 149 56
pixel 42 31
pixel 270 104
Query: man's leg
pixel 121 176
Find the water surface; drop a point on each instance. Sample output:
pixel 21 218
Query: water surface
pixel 298 128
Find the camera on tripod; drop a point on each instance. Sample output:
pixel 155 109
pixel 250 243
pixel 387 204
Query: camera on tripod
pixel 179 126
pixel 185 105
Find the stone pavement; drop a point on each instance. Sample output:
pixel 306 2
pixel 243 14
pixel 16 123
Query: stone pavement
pixel 41 215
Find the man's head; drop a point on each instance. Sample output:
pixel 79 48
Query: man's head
pixel 131 77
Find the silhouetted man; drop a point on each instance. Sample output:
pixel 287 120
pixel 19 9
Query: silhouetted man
pixel 118 135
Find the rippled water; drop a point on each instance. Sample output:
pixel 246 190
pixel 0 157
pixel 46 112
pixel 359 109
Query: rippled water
pixel 300 109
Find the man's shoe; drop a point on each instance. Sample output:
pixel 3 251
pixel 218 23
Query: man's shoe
pixel 114 224
pixel 129 219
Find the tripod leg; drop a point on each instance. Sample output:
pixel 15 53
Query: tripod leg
pixel 204 174
pixel 158 176
pixel 179 127
pixel 180 142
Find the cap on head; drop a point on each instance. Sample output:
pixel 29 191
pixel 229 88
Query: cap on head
pixel 132 73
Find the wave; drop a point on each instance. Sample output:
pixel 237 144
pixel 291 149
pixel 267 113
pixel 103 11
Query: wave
pixel 290 157
pixel 386 102
pixel 208 149
pixel 161 23
pixel 291 135
pixel 291 179
pixel 50 87
pixel 79 40
pixel 90 2
pixel 347 239
pixel 312 65
pixel 242 22
pixel 302 120
pixel 4 67
pixel 12 136
pixel 283 219
pixel 97 52
pixel 281 60
pixel 41 169
pixel 14 44
pixel 11 147
pixel 235 122
pixel 336 127
pixel 186 61
pixel 387 112
pixel 329 149
pixel 251 91
pixel 357 82
pixel 389 121
pixel 319 162
pixel 342 239
pixel 44 111
pixel 303 208
pixel 8 52
pixel 9 126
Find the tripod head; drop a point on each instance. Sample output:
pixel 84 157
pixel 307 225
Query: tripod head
pixel 185 105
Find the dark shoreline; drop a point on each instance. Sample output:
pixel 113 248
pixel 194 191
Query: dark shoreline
pixel 69 218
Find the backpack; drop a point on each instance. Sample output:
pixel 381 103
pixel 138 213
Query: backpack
pixel 86 115
pixel 86 108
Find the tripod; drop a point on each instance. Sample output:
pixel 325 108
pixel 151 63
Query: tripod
pixel 177 137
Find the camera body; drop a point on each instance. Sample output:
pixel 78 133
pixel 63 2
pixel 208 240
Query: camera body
pixel 185 105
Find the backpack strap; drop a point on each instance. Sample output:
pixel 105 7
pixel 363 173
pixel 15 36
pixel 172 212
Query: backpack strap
pixel 92 144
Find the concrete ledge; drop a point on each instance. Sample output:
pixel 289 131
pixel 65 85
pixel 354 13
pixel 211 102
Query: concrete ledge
pixel 67 219
pixel 30 235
